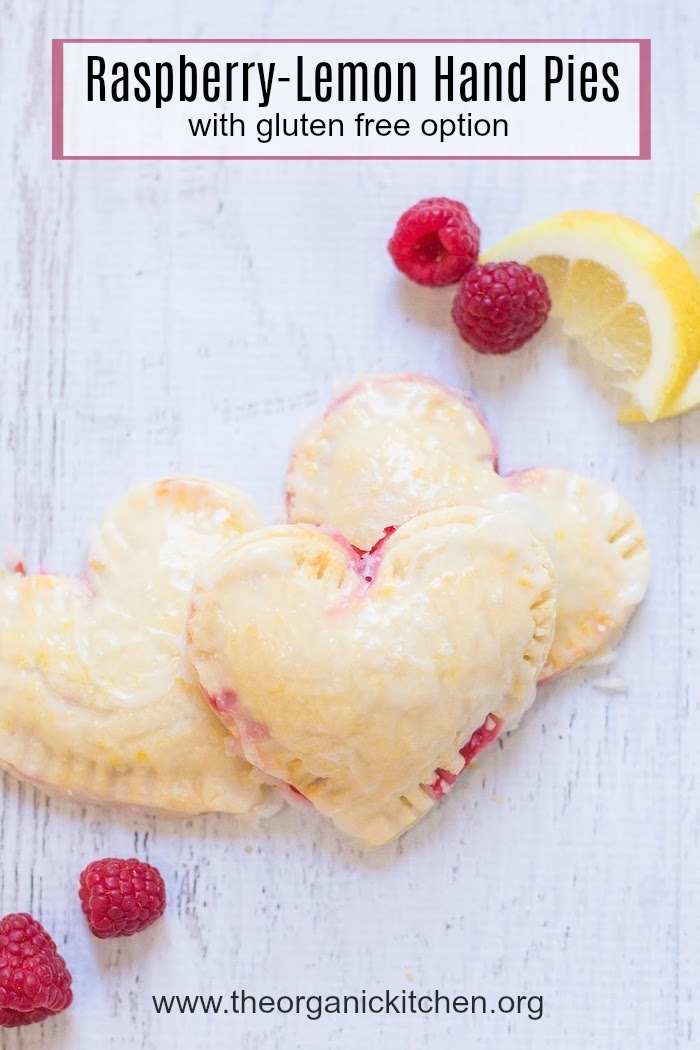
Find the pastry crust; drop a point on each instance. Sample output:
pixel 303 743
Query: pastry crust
pixel 96 698
pixel 394 446
pixel 357 678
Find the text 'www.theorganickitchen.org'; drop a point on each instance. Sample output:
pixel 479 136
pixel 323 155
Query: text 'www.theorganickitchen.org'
pixel 380 1003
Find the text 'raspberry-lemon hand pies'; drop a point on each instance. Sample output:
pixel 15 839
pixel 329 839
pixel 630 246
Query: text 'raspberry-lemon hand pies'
pixel 394 446
pixel 367 682
pixel 95 696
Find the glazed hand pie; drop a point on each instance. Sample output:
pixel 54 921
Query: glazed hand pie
pixel 394 446
pixel 366 682
pixel 95 696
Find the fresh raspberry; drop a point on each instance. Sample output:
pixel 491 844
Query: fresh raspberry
pixel 435 241
pixel 499 306
pixel 121 897
pixel 34 980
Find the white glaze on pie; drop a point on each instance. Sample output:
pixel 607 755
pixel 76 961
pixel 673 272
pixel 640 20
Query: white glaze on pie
pixel 394 446
pixel 355 678
pixel 95 696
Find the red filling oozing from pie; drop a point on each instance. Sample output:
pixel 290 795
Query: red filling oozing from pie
pixel 371 560
pixel 480 739
pixel 223 702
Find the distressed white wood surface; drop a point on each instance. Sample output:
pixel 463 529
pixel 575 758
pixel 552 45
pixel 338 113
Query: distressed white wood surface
pixel 190 317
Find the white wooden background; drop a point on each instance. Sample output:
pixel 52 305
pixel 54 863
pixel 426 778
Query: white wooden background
pixel 160 317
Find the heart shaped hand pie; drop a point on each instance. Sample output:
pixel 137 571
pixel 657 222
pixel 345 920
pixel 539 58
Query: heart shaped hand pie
pixel 395 446
pixel 95 697
pixel 365 682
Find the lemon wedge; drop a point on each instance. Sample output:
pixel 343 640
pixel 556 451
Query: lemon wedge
pixel 692 245
pixel 689 396
pixel 625 294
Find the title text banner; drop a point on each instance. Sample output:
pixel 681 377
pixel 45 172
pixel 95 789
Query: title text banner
pixel 225 99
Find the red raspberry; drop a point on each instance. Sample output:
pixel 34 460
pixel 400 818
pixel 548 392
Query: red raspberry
pixel 435 241
pixel 34 980
pixel 499 306
pixel 121 897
